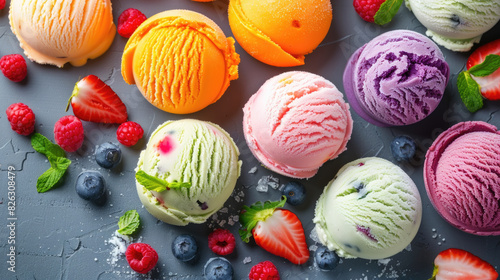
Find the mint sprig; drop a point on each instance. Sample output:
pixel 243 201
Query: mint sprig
pixel 43 145
pixel 469 89
pixel 153 183
pixel 57 159
pixel 387 11
pixel 129 222
pixel 470 92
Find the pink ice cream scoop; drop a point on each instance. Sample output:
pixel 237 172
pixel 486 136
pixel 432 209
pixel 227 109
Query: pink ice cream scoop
pixel 296 122
pixel 398 78
pixel 462 177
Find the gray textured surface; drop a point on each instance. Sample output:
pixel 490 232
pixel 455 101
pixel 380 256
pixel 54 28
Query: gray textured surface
pixel 60 236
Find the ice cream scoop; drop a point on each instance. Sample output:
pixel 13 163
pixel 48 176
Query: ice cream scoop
pixel 456 24
pixel 180 60
pixel 60 31
pixel 462 177
pixel 371 210
pixel 296 122
pixel 195 153
pixel 398 78
pixel 280 33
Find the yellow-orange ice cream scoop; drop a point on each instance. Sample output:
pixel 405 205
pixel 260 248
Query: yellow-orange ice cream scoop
pixel 280 33
pixel 60 31
pixel 180 60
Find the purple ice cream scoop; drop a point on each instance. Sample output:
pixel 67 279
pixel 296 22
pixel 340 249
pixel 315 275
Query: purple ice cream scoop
pixel 398 78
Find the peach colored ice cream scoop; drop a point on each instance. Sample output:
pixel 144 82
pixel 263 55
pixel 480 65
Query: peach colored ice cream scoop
pixel 60 31
pixel 296 122
pixel 462 177
pixel 180 60
pixel 280 33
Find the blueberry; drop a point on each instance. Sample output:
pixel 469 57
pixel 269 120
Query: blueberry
pixel 108 155
pixel 295 193
pixel 403 148
pixel 326 259
pixel 218 269
pixel 90 186
pixel 184 248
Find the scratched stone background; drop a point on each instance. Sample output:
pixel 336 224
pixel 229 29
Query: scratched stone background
pixel 60 236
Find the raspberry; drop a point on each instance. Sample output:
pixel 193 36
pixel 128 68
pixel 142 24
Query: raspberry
pixel 14 67
pixel 141 257
pixel 68 132
pixel 367 9
pixel 2 4
pixel 264 271
pixel 21 118
pixel 129 20
pixel 129 133
pixel 221 241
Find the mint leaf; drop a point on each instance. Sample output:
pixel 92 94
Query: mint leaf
pixel 469 92
pixel 44 146
pixel 59 162
pixel 49 179
pixel 158 185
pixel 129 222
pixel 57 159
pixel 490 64
pixel 387 11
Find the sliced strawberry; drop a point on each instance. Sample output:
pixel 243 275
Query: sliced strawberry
pixel 490 85
pixel 276 230
pixel 457 264
pixel 94 101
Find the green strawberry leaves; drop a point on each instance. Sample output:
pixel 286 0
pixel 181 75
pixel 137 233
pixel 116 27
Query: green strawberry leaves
pixel 469 89
pixel 258 211
pixel 387 11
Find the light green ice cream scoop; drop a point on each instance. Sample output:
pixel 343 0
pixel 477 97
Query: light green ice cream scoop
pixel 198 155
pixel 371 209
pixel 456 24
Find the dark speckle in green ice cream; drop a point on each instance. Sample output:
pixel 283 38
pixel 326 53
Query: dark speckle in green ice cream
pixel 359 188
pixel 203 205
pixel 455 19
pixel 353 247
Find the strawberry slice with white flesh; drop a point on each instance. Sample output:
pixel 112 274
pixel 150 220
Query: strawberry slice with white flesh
pixel 94 101
pixel 490 84
pixel 458 264
pixel 276 230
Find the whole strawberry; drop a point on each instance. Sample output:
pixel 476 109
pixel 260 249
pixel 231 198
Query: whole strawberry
pixel 2 4
pixel 21 118
pixel 129 20
pixel 68 133
pixel 276 230
pixel 265 270
pixel 141 257
pixel 129 133
pixel 14 67
pixel 455 264
pixel 378 11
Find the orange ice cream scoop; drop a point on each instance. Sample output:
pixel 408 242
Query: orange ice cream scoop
pixel 180 60
pixel 280 33
pixel 60 31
